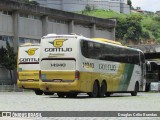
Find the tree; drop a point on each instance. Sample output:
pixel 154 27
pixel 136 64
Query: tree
pixel 121 28
pixel 129 28
pixel 34 2
pixel 8 59
pixel 129 3
pixel 134 27
pixel 145 34
pixel 88 7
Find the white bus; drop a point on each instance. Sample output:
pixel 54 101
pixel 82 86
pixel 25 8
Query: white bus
pixel 72 64
pixel 28 67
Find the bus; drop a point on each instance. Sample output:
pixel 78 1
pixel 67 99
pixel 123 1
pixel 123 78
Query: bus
pixel 152 73
pixel 28 67
pixel 72 64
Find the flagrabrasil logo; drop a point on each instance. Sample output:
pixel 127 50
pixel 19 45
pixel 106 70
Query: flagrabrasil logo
pixel 58 42
pixel 31 51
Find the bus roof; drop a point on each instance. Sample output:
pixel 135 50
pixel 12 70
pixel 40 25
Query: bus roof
pixel 60 35
pixel 107 40
pixel 102 40
pixel 30 44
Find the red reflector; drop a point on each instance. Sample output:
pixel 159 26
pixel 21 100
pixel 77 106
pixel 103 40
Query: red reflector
pixel 77 74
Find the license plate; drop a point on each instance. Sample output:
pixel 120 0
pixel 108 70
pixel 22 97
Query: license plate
pixel 57 80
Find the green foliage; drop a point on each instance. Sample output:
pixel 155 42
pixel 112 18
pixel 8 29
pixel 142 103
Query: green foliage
pixel 121 28
pixel 88 7
pixel 156 18
pixel 134 27
pixel 145 34
pixel 34 3
pixel 129 28
pixel 8 57
pixel 102 13
pixel 129 2
pixel 152 24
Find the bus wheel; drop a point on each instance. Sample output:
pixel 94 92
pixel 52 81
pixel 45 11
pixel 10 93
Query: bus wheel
pixel 38 92
pixel 102 90
pixel 48 93
pixel 147 87
pixel 136 88
pixel 72 95
pixel 108 94
pixel 61 95
pixel 95 90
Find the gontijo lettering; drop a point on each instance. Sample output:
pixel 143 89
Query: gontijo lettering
pixel 58 43
pixel 29 60
pixel 58 49
pixel 110 67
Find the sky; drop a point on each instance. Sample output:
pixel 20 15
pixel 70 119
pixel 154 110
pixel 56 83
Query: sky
pixel 149 5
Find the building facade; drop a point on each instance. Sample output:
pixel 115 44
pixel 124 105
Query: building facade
pixel 79 5
pixel 22 23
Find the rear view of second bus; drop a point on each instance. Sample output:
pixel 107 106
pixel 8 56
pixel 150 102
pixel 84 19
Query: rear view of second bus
pixel 28 67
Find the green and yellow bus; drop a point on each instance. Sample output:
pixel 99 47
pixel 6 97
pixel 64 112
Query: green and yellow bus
pixel 72 64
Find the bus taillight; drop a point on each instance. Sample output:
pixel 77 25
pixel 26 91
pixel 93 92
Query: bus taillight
pixel 77 74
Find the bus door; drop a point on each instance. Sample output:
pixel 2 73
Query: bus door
pixel 88 65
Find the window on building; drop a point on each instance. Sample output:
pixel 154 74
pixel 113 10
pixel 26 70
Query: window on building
pixel 8 39
pixel 28 40
pixel 1 38
pixel 57 21
pixel 37 17
pixel 7 12
pixel 23 15
pixel 5 39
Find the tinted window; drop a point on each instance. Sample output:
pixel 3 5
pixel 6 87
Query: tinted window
pixel 106 52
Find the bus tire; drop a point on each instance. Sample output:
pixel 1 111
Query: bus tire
pixel 61 94
pixel 72 95
pixel 108 94
pixel 102 90
pixel 95 90
pixel 136 89
pixel 48 93
pixel 38 92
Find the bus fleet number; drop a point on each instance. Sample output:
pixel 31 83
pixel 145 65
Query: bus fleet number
pixel 88 65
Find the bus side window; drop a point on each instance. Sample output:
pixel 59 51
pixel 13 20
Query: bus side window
pixel 107 53
pixel 90 50
pixel 142 57
pixel 97 51
pixel 84 48
pixel 116 54
pixel 122 55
